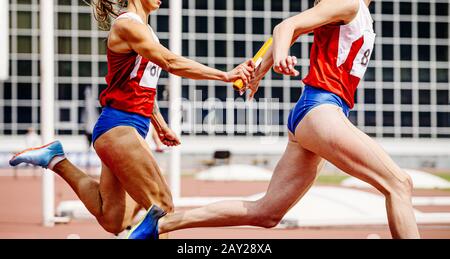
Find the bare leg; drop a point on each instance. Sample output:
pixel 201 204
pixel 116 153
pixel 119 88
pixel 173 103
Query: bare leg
pixel 128 156
pixel 329 134
pixel 106 200
pixel 293 176
pixel 132 162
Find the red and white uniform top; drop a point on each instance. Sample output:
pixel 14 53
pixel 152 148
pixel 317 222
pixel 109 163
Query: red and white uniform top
pixel 340 55
pixel 132 79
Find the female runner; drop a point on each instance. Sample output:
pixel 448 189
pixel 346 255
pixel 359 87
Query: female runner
pixel 130 177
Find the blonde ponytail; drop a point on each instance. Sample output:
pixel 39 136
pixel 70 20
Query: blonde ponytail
pixel 105 10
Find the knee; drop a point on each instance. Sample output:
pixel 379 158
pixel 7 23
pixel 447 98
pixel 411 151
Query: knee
pixel 166 203
pixel 269 222
pixel 265 217
pixel 406 185
pixel 115 222
pixel 401 187
pixel 114 227
pixel 168 207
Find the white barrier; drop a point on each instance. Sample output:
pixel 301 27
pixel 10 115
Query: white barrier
pixel 321 206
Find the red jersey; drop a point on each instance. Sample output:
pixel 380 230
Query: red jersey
pixel 131 79
pixel 340 55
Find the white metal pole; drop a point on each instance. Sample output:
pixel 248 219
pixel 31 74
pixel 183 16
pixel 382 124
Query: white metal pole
pixel 175 29
pixel 4 40
pixel 47 107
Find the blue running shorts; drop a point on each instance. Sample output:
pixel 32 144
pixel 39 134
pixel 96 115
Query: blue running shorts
pixel 310 99
pixel 111 118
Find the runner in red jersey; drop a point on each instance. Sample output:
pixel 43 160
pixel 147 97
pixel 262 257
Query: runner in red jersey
pixel 318 126
pixel 130 178
pixel 132 79
pixel 340 55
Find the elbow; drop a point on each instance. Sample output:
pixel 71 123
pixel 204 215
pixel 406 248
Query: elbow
pixel 170 65
pixel 276 29
pixel 281 27
pixel 166 63
pixel 286 29
pixel 167 66
pixel 172 68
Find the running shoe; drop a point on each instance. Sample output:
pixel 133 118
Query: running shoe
pixel 147 228
pixel 40 156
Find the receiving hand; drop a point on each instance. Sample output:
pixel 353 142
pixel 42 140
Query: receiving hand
pixel 286 66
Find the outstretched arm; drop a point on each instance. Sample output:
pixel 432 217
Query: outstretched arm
pixel 325 12
pixel 139 39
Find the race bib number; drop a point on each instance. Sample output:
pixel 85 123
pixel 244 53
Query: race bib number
pixel 362 59
pixel 151 76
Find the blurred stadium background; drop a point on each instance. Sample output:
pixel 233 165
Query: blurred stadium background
pixel 404 101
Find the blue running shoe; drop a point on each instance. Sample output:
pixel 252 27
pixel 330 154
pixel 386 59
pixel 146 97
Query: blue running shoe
pixel 40 156
pixel 148 227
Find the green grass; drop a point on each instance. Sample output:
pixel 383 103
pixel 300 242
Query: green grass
pixel 331 179
pixel 445 176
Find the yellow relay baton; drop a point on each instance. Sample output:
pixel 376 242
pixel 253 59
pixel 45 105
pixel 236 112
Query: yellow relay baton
pixel 258 59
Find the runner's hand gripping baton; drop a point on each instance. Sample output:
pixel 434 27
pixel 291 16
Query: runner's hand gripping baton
pixel 258 59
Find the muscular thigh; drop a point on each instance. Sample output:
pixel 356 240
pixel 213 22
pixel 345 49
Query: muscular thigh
pixel 329 134
pixel 293 177
pixel 115 200
pixel 128 157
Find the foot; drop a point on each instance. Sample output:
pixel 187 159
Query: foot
pixel 148 227
pixel 40 156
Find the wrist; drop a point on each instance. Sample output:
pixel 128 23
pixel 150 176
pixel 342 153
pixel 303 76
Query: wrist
pixel 224 76
pixel 158 124
pixel 164 129
pixel 258 77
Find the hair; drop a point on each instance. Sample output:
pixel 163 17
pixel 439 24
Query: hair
pixel 104 10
